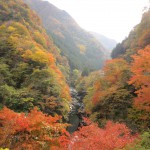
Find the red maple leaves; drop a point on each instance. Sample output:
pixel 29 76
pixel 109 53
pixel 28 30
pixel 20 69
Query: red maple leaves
pixel 91 137
pixel 141 78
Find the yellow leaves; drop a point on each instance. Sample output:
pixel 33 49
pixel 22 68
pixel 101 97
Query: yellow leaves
pixel 11 29
pixel 39 56
pixel 27 53
pixel 19 29
pixel 39 38
pixel 2 27
pixel 65 93
pixel 82 48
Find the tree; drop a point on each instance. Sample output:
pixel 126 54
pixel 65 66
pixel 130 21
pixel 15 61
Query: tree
pixel 32 131
pixel 91 137
pixel 141 78
pixel 115 71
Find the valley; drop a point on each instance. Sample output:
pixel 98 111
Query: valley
pixel 64 88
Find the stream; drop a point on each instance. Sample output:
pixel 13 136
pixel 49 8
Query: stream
pixel 77 111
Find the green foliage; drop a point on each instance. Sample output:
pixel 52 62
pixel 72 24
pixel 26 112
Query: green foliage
pixel 83 83
pixel 143 143
pixel 114 106
pixel 138 119
pixel 29 75
pixel 74 77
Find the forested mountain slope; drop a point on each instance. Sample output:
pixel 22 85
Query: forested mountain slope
pixel 28 73
pixel 80 47
pixel 121 90
pixel 108 43
pixel 138 38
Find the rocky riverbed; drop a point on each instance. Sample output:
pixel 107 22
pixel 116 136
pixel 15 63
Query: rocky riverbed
pixel 77 111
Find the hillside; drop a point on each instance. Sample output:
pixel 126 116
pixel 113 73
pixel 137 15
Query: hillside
pixel 121 90
pixel 29 75
pixel 108 43
pixel 80 47
pixel 138 38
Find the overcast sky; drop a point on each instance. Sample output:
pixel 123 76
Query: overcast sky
pixel 112 18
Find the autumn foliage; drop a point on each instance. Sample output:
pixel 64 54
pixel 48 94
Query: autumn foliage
pixel 36 130
pixel 30 63
pixel 32 131
pixel 91 137
pixel 114 70
pixel 32 74
pixel 114 77
pixel 141 78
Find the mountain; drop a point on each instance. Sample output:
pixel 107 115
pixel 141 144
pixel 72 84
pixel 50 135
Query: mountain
pixel 138 38
pixel 29 60
pixel 121 91
pixel 108 43
pixel 80 47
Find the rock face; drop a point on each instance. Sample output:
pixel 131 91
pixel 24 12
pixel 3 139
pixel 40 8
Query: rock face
pixel 80 47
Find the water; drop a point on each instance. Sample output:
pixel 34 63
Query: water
pixel 75 117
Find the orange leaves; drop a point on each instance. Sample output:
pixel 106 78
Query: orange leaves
pixel 65 93
pixel 144 38
pixel 99 91
pixel 91 137
pixel 143 100
pixel 141 78
pixel 141 68
pixel 115 75
pixel 19 121
pixel 114 70
pixel 51 58
pixel 39 56
pixel 96 97
pixel 36 128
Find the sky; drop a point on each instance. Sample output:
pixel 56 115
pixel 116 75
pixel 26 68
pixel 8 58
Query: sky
pixel 112 18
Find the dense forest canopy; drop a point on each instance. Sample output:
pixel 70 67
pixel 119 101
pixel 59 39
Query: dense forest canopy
pixel 35 99
pixel 29 75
